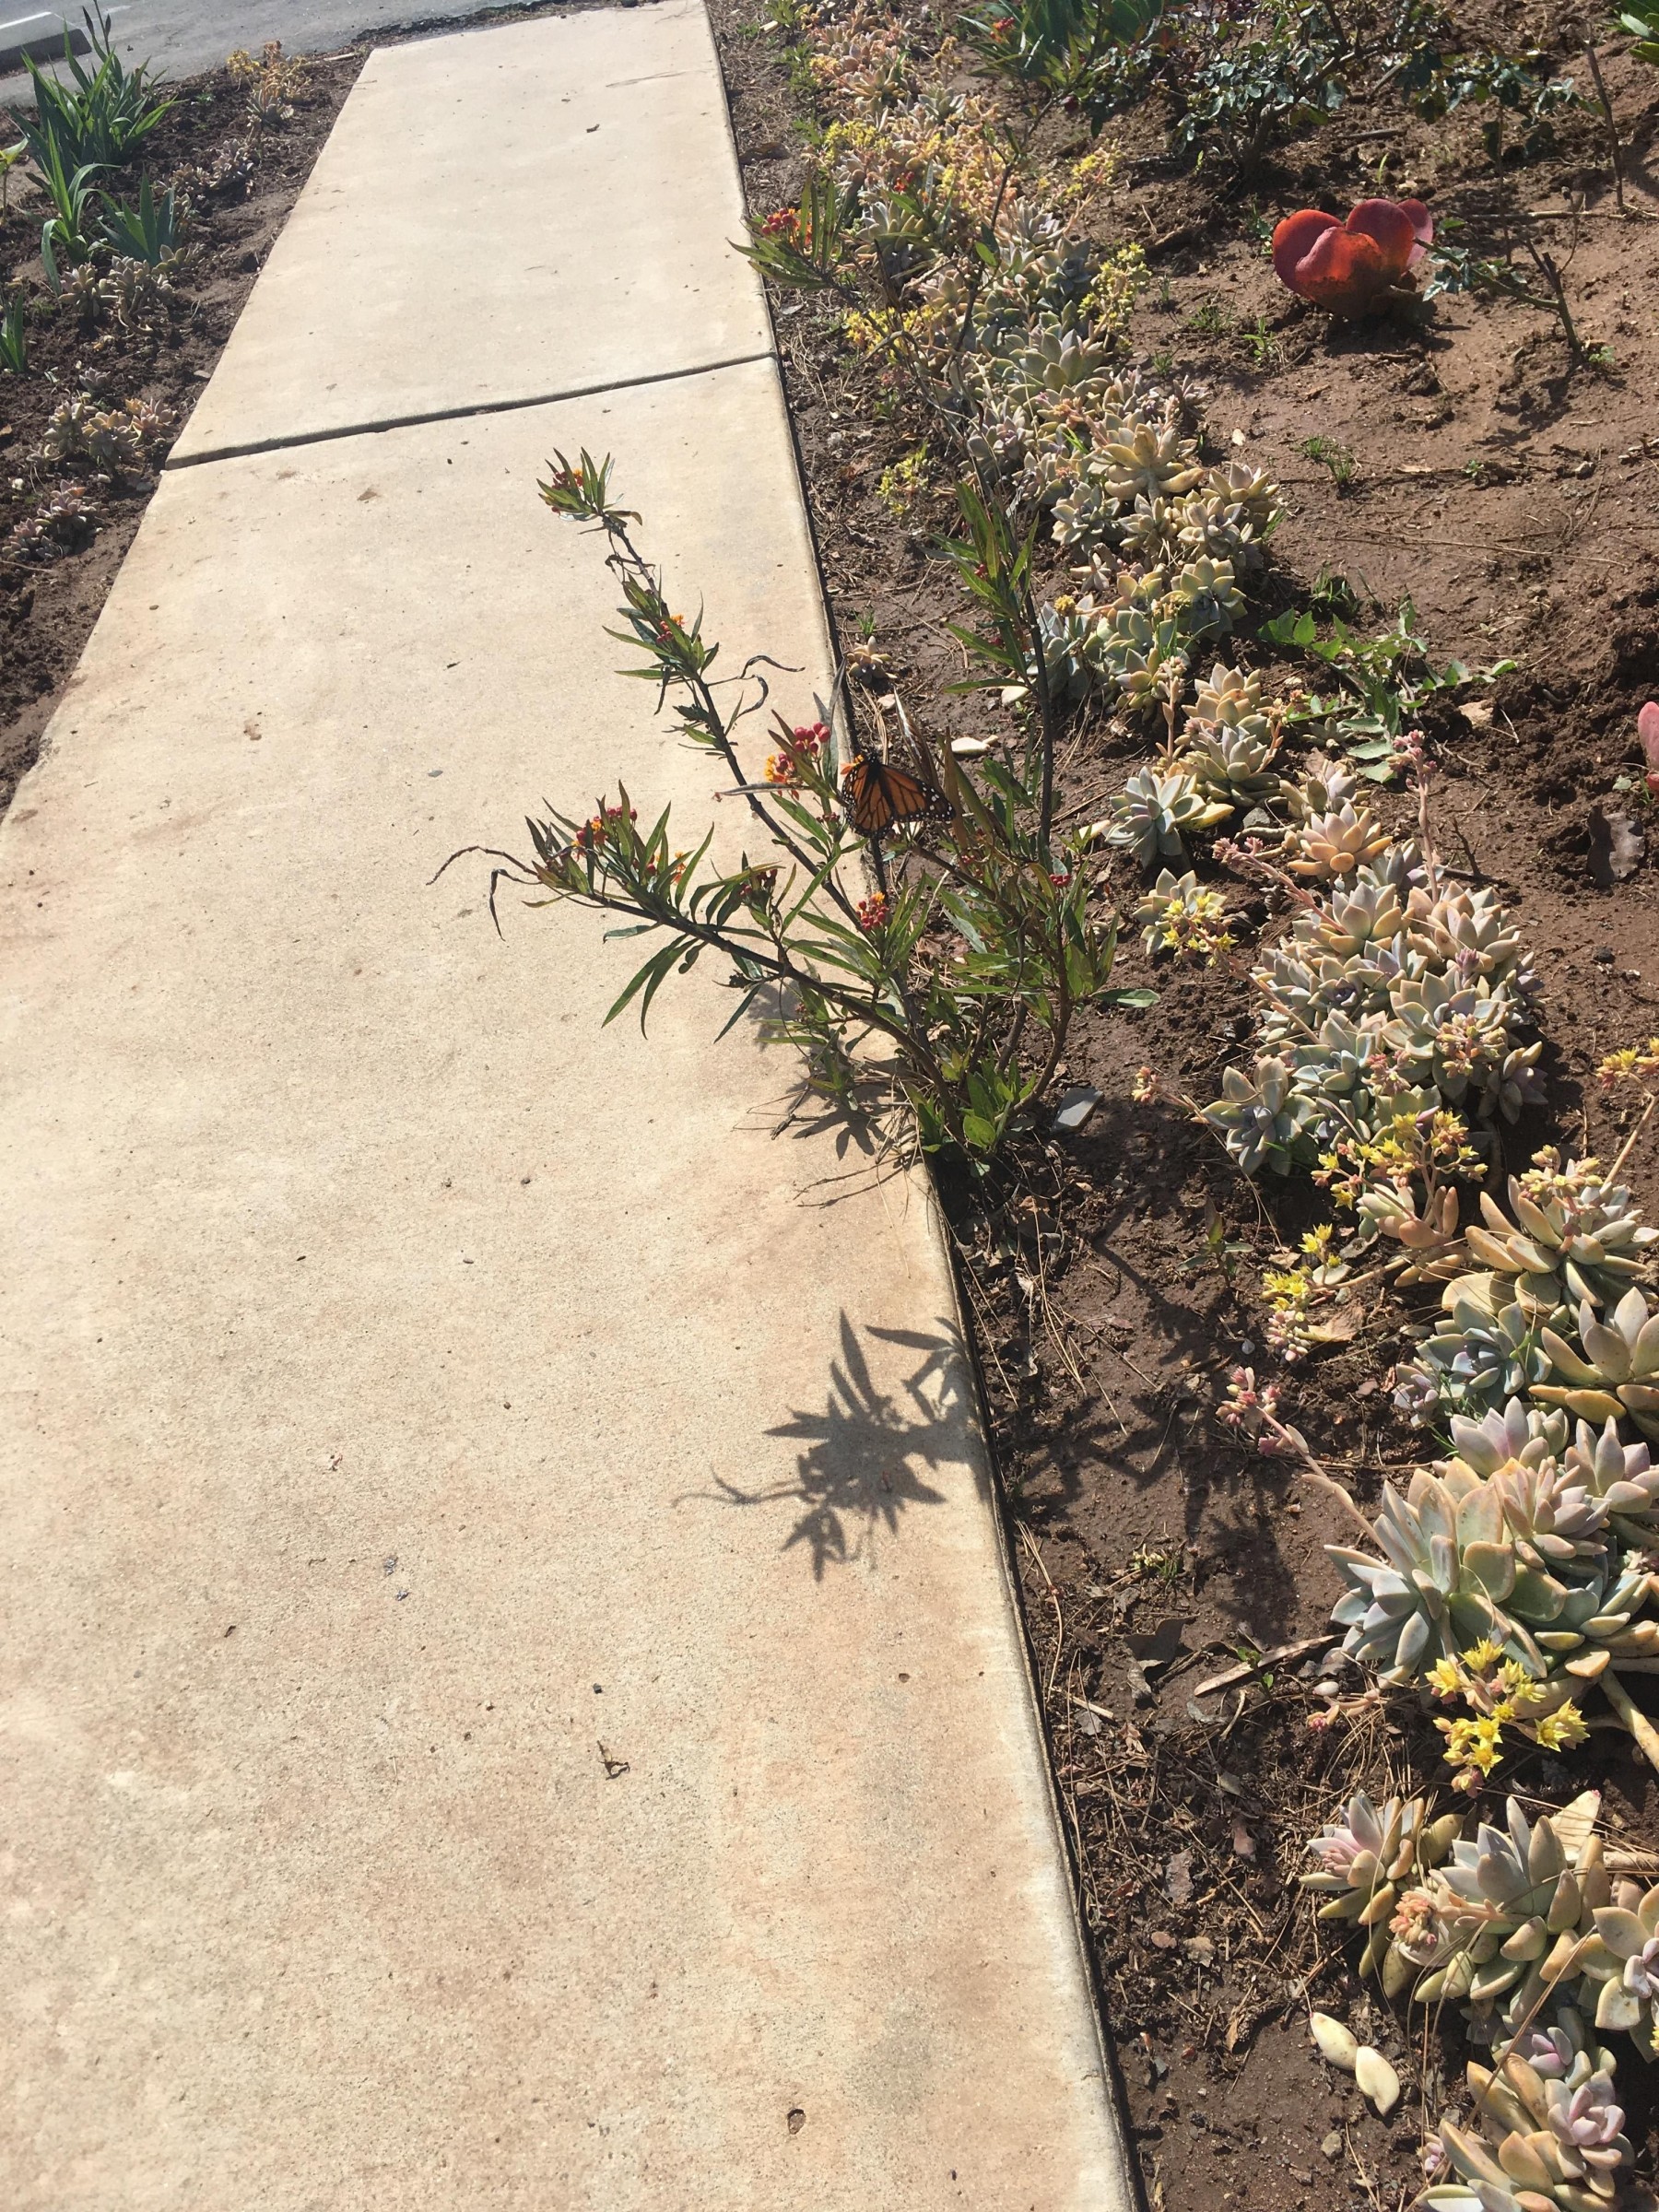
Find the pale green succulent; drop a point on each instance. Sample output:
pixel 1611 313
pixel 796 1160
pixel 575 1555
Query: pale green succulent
pixel 1487 1352
pixel 1231 763
pixel 999 443
pixel 1250 488
pixel 1522 1925
pixel 1467 926
pixel 1144 533
pixel 1068 634
pixel 1205 598
pixel 1335 844
pixel 1367 964
pixel 1366 1854
pixel 1059 360
pixel 1614 1369
pixel 1457 1034
pixel 1516 1432
pixel 1135 651
pixel 1565 2144
pixel 115 438
pixel 1259 1116
pixel 1502 1927
pixel 1447 1571
pixel 1354 917
pixel 1622 1476
pixel 1206 521
pixel 1574 1238
pixel 1152 814
pixel 1324 786
pixel 1334 1064
pixel 140 294
pixel 1080 515
pixel 1517 1554
pixel 1231 700
pixel 1622 1964
pixel 1150 465
pixel 1178 915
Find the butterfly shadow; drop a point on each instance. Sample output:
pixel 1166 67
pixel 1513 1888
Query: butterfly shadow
pixel 865 1459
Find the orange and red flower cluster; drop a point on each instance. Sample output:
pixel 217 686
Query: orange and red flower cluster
pixel 592 834
pixel 798 748
pixel 759 884
pixel 874 912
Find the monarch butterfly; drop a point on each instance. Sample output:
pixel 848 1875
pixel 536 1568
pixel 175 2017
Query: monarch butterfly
pixel 879 796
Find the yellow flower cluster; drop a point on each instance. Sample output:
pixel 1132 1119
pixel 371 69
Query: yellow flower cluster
pixel 1110 300
pixel 1196 928
pixel 879 330
pixel 904 482
pixel 1502 1694
pixel 1403 1152
pixel 1289 1295
pixel 1631 1064
pixel 956 165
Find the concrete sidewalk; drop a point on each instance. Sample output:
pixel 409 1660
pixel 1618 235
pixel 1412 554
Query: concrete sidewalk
pixel 511 1694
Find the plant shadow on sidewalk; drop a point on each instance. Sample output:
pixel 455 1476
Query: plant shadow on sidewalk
pixel 865 1459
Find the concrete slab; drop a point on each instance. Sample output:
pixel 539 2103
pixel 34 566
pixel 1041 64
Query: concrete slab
pixel 500 216
pixel 510 1696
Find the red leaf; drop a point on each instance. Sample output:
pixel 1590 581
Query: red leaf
pixel 1390 228
pixel 1292 239
pixel 1345 271
pixel 1350 268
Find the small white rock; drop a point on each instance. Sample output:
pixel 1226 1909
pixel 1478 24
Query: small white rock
pixel 1334 2041
pixel 1377 2079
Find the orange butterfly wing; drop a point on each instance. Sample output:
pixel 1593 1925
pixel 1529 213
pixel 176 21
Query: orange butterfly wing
pixel 877 796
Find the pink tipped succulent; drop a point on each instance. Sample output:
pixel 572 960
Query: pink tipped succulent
pixel 1351 267
pixel 1647 729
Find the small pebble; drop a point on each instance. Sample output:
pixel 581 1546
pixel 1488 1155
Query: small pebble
pixel 1075 1107
pixel 1331 2146
pixel 1605 954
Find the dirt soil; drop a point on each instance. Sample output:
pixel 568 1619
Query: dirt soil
pixel 1115 1276
pixel 239 186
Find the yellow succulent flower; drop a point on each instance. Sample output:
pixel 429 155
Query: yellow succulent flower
pixel 1563 1729
pixel 1518 1686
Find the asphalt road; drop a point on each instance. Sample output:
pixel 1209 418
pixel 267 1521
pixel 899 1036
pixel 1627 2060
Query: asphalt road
pixel 185 36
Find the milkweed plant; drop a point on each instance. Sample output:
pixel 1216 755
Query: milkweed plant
pixel 943 950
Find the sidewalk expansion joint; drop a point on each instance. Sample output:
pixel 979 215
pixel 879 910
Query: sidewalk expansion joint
pixel 463 414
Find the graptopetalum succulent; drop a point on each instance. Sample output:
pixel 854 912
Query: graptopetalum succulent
pixel 1524 1926
pixel 1513 1577
pixel 1398 994
pixel 1527 1318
